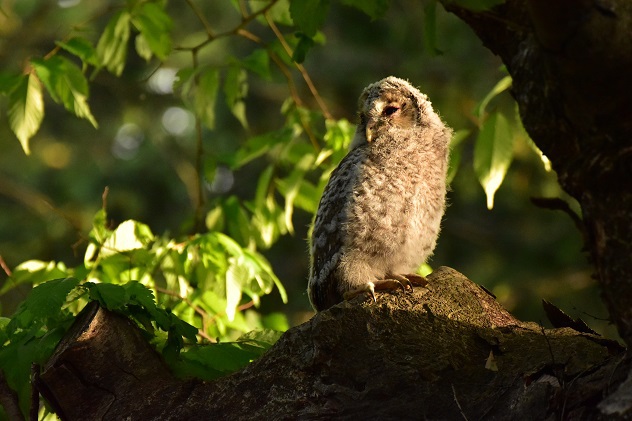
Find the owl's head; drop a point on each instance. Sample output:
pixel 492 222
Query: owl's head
pixel 388 104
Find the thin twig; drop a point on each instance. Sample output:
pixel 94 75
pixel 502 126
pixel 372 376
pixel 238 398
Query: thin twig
pixel 202 19
pixel 199 160
pixel 4 266
pixel 301 69
pixel 458 404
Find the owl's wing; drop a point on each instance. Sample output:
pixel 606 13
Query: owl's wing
pixel 330 223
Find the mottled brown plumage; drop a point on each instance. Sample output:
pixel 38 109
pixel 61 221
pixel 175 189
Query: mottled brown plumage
pixel 379 216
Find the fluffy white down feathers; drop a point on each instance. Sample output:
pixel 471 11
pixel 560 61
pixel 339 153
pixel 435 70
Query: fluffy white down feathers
pixel 380 214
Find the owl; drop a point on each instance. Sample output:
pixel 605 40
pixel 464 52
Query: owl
pixel 379 216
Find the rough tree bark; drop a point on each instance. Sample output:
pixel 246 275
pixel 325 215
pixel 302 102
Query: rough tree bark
pixel 571 62
pixel 447 351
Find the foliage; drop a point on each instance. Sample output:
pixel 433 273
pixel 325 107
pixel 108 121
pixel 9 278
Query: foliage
pixel 207 285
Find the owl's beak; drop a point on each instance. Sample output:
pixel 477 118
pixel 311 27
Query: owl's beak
pixel 370 130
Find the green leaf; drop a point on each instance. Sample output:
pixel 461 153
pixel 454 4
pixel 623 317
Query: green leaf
pixel 374 8
pixel 154 25
pixel 305 43
pixel 44 301
pixel 206 95
pixel 66 84
pixel 501 86
pixel 493 153
pixel 129 235
pixel 34 272
pixel 81 48
pixel 26 109
pixel 290 186
pixel 235 90
pixel 9 81
pixel 258 62
pixel 112 46
pixel 476 5
pixel 309 15
pixel 259 145
pixel 110 296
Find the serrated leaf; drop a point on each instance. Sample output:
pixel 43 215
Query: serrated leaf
pixel 502 85
pixel 66 84
pixel 493 153
pixel 26 109
pixel 110 296
pixel 374 8
pixel 235 90
pixel 81 48
pixel 309 15
pixel 44 301
pixel 112 46
pixel 154 25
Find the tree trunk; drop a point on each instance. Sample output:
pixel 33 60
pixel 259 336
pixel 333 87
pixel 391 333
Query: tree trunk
pixel 571 62
pixel 448 351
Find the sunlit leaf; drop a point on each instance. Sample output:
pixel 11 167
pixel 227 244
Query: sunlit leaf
pixel 309 15
pixel 493 153
pixel 154 25
pixel 34 272
pixel 501 86
pixel 290 186
pixel 26 109
pixel 112 46
pixel 236 90
pixel 129 235
pixel 66 84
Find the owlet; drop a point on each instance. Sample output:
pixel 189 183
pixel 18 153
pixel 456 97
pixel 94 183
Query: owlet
pixel 380 214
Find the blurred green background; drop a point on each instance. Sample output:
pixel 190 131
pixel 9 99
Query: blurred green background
pixel 144 150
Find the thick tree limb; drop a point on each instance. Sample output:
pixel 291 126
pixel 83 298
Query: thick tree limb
pixel 570 61
pixel 444 351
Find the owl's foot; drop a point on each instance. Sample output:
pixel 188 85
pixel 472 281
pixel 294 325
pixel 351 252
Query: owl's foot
pixel 391 283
